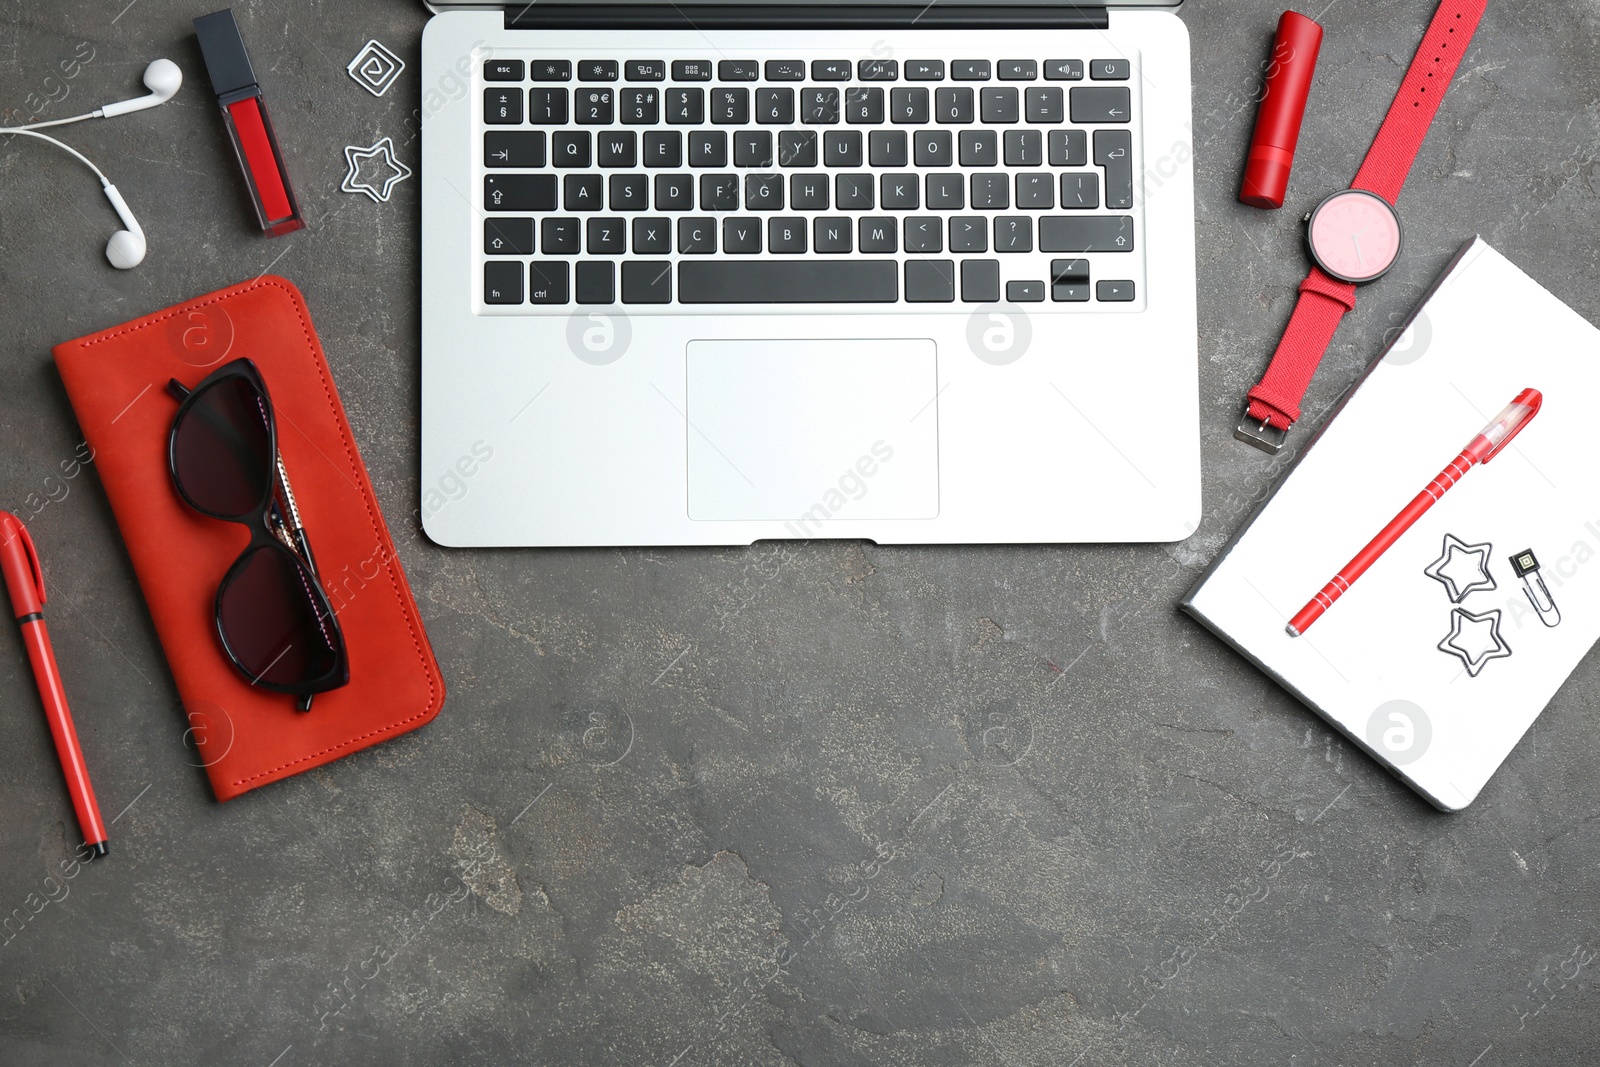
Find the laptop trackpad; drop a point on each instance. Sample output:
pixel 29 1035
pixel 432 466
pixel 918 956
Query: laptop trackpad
pixel 810 432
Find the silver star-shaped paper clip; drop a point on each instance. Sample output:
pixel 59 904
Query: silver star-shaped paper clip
pixel 1475 639
pixel 374 171
pixel 1462 568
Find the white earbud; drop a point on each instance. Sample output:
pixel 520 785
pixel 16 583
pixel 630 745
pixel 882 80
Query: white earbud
pixel 162 77
pixel 127 247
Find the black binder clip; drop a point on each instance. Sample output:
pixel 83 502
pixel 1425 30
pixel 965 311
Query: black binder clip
pixel 1526 567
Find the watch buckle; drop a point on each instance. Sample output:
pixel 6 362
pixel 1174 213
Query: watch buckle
pixel 1261 434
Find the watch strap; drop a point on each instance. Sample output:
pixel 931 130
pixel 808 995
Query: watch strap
pixel 1274 403
pixel 1406 125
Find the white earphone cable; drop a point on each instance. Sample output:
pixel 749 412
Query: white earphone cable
pixel 64 147
pixel 96 114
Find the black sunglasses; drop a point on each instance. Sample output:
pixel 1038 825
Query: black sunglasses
pixel 275 620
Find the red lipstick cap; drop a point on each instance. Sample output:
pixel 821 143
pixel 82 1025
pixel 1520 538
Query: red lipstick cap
pixel 1283 106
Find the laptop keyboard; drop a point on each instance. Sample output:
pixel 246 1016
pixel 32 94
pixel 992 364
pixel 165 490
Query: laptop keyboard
pixel 685 182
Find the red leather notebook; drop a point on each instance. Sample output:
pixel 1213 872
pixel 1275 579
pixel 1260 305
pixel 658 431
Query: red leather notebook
pixel 117 379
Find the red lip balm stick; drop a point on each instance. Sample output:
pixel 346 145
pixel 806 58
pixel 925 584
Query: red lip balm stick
pixel 1283 106
pixel 24 581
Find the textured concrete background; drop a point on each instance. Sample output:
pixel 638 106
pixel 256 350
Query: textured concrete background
pixel 796 804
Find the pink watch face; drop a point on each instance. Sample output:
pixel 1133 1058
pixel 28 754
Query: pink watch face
pixel 1355 236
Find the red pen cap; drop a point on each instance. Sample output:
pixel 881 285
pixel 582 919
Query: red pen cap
pixel 19 562
pixel 1283 106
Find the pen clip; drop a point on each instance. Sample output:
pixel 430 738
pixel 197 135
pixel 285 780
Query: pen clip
pixel 33 561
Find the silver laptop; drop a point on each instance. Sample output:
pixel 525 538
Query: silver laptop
pixel 713 273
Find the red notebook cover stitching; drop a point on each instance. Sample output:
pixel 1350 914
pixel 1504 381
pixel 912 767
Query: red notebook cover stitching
pixel 117 379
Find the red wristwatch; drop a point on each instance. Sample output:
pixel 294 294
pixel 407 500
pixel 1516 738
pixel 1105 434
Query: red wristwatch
pixel 1354 236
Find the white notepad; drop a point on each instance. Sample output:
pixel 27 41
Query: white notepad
pixel 1440 718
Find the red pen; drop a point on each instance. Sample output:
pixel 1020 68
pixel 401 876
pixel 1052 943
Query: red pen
pixel 25 581
pixel 1481 449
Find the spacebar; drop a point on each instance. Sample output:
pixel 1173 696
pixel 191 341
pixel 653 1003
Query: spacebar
pixel 808 281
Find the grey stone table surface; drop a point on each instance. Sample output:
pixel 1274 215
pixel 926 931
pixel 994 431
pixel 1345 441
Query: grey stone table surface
pixel 806 803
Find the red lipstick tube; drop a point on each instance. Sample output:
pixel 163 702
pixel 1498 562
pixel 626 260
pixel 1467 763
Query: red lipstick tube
pixel 1283 107
pixel 244 113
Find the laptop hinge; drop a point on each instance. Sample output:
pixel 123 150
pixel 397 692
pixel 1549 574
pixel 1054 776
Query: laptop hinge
pixel 802 17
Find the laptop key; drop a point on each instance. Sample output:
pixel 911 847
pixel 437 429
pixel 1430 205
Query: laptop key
pixel 799 281
pixel 508 237
pixel 887 148
pixel 569 148
pixel 797 148
pixel 691 70
pixel 719 192
pixel 1117 292
pixel 1018 70
pixel 629 192
pixel 513 148
pixel 503 107
pixel 596 282
pixel 969 70
pixel 775 106
pixel 1101 104
pixel 841 148
pixel 559 237
pixel 953 105
pixel 503 70
pixel 925 70
pixel 598 70
pixel 550 70
pixel 787 236
pixel 547 107
pixel 808 192
pixel 969 233
pixel 595 107
pixel 1036 189
pixel 738 70
pixel 697 237
pixel 741 236
pixel 1025 292
pixel 908 105
pixel 878 70
pixel 673 192
pixel 830 70
pixel 991 190
pixel 1080 191
pixel 647 282
pixel 945 192
pixel 548 282
pixel 730 107
pixel 652 236
pixel 832 235
pixel 932 148
pixel 1063 70
pixel 879 235
pixel 999 103
pixel 502 283
pixel 1110 70
pixel 979 148
pixel 1013 233
pixel 980 281
pixel 708 148
pixel 616 148
pixel 580 192
pixel 819 107
pixel 663 148
pixel 752 148
pixel 519 192
pixel 640 107
pixel 686 107
pixel 1113 150
pixel 645 70
pixel 1044 104
pixel 899 192
pixel 863 105
pixel 607 237
pixel 930 281
pixel 1024 148
pixel 763 192
pixel 785 70
pixel 853 192
pixel 1069 148
pixel 1086 233
pixel 924 233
